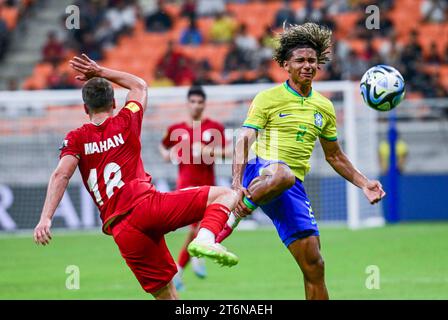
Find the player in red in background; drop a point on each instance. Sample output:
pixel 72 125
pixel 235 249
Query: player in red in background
pixel 202 140
pixel 107 151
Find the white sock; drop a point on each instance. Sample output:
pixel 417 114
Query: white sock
pixel 233 221
pixel 180 270
pixel 205 235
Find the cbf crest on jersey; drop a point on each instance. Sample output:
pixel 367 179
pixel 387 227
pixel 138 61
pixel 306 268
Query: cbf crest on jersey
pixel 318 119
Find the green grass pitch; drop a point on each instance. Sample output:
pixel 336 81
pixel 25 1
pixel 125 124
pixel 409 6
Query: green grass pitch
pixel 412 260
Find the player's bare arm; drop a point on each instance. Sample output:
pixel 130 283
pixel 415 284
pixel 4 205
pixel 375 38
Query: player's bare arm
pixel 56 188
pixel 246 138
pixel 334 155
pixel 88 68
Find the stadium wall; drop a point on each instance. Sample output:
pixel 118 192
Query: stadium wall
pixel 421 197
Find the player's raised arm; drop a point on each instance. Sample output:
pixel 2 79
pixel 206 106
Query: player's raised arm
pixel 56 188
pixel 334 155
pixel 138 90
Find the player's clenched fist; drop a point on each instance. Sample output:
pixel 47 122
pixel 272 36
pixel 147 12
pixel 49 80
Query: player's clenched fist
pixel 42 234
pixel 373 190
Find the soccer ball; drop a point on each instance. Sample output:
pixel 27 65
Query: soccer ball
pixel 382 87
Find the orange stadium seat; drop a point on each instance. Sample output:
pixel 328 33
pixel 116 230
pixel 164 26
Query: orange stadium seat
pixel 215 54
pixel 405 17
pixel 43 68
pixel 413 95
pixel 10 15
pixel 261 15
pixel 173 10
pixel 444 76
pixel 204 26
pixel 345 22
pixel 277 73
pixel 433 32
pixel 139 27
pixel 179 25
pixel 358 45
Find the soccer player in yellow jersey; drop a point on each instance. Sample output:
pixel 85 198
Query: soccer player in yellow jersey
pixel 284 122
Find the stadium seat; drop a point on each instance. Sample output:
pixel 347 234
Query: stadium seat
pixel 173 10
pixel 433 32
pixel 277 73
pixel 204 26
pixel 261 15
pixel 215 54
pixel 10 15
pixel 358 45
pixel 405 17
pixel 345 22
pixel 444 76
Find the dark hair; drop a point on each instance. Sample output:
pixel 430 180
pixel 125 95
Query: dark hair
pixel 307 35
pixel 98 94
pixel 196 90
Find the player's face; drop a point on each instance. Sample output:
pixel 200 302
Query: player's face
pixel 196 106
pixel 302 66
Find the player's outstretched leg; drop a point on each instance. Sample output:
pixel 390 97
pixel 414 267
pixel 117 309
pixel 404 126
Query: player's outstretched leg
pixel 273 181
pixel 219 205
pixel 168 292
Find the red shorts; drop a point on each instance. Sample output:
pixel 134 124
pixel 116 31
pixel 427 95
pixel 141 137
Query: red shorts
pixel 140 234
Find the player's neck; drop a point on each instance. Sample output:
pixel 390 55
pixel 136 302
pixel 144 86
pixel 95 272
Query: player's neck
pixel 200 119
pixel 303 89
pixel 99 118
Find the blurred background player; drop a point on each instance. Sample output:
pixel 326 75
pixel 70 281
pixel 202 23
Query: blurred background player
pixel 401 151
pixel 205 141
pixel 108 152
pixel 285 122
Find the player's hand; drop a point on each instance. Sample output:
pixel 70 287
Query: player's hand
pixel 42 234
pixel 373 191
pixel 241 210
pixel 86 66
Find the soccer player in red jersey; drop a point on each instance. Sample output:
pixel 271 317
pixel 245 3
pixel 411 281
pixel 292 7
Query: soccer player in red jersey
pixel 107 151
pixel 203 140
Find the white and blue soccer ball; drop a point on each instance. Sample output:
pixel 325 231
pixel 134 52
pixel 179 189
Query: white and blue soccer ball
pixel 382 87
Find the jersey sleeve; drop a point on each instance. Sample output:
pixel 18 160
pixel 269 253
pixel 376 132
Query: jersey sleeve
pixel 329 130
pixel 257 116
pixel 70 146
pixel 133 113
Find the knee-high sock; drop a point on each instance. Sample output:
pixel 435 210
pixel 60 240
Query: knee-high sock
pixel 215 218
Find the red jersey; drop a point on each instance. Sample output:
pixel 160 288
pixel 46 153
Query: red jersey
pixel 195 170
pixel 110 162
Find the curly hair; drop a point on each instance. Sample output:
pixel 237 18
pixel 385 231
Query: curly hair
pixel 307 35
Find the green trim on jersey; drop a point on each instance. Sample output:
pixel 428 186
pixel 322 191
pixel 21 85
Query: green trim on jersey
pixel 289 125
pixel 294 92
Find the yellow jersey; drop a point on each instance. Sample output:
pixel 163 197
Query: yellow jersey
pixel 289 124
